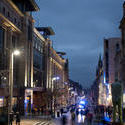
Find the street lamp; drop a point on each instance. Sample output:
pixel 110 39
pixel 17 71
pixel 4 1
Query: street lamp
pixel 54 79
pixel 14 52
pixel 53 98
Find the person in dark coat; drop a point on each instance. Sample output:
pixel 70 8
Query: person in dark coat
pixel 73 118
pixel 89 118
pixel 61 110
pixel 64 120
pixel 11 118
pixel 17 118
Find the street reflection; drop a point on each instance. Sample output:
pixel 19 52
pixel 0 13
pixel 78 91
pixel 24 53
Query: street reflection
pixel 81 118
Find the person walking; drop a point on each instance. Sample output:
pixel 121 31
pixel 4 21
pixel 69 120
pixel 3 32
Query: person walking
pixel 17 118
pixel 11 118
pixel 89 118
pixel 64 120
pixel 61 110
pixel 73 118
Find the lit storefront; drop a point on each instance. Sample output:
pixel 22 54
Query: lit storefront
pixel 28 102
pixel 124 99
pixel 1 102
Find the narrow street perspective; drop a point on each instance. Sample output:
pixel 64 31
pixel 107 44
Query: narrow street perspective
pixel 62 62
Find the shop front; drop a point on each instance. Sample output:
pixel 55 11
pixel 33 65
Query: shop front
pixel 39 101
pixel 28 101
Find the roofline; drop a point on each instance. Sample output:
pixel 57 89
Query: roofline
pixel 36 7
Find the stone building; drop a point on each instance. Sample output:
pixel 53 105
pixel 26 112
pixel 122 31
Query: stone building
pixel 38 72
pixel 16 32
pixel 111 46
pixel 55 73
pixel 122 28
pixel 57 78
pixel 98 89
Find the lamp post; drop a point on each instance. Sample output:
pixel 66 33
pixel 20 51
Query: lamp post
pixel 53 98
pixel 14 52
pixel 54 79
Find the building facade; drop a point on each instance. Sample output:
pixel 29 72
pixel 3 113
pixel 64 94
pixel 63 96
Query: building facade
pixel 16 73
pixel 38 72
pixel 98 89
pixel 111 46
pixel 122 28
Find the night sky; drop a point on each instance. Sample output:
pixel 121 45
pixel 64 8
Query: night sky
pixel 80 27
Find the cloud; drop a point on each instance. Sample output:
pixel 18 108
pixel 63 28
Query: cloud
pixel 80 27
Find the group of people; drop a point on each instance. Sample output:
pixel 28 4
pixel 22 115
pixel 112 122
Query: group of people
pixel 12 116
pixel 103 111
pixel 39 111
pixel 64 118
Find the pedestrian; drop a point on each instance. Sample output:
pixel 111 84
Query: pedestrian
pixel 89 118
pixel 11 118
pixel 17 118
pixel 64 120
pixel 73 117
pixel 38 111
pixel 33 111
pixel 61 110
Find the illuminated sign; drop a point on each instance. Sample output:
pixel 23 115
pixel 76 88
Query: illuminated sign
pixel 1 102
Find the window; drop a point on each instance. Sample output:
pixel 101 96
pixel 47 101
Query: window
pixel 18 24
pixel 8 14
pixel 2 31
pixel 106 43
pixel 106 56
pixel 14 20
pixel 14 41
pixel 4 10
pixel 1 38
pixel 36 45
pixel 39 47
pixel 37 59
pixel 124 35
pixel 117 47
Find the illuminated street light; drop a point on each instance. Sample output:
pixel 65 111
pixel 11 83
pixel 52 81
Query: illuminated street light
pixel 15 52
pixel 53 102
pixel 54 79
pixel 65 83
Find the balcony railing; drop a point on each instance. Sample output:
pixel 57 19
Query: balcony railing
pixel 7 11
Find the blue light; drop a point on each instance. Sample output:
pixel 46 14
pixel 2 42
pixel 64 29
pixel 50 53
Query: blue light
pixel 81 106
pixel 56 78
pixel 82 102
pixel 104 78
pixel 107 119
pixel 25 101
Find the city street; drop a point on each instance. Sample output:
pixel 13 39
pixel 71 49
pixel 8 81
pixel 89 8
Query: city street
pixel 38 120
pixel 62 63
pixel 79 120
